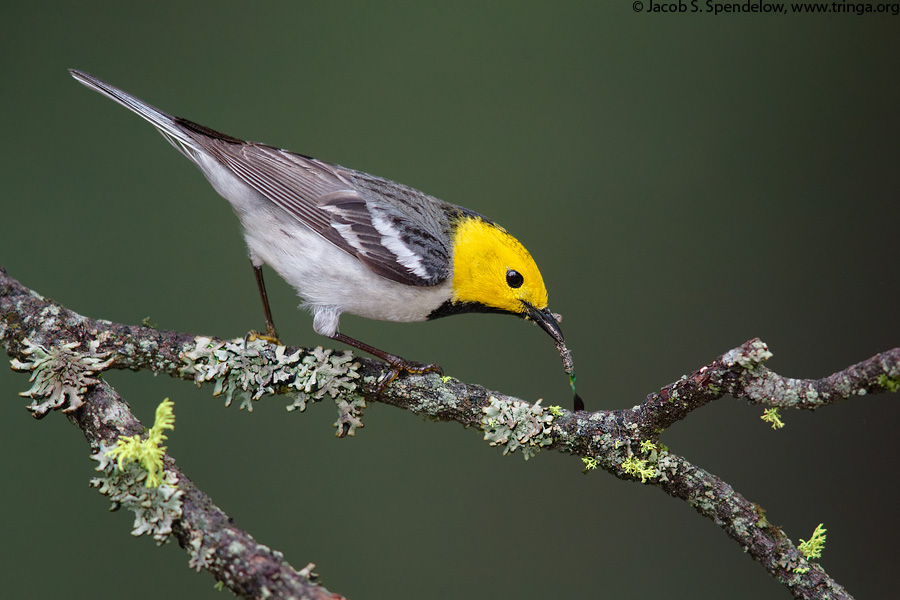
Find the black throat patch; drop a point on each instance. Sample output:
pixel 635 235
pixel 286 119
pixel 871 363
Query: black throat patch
pixel 457 308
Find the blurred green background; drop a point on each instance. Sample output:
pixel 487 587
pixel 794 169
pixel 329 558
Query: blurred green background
pixel 685 182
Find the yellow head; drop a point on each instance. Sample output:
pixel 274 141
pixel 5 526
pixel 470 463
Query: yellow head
pixel 492 271
pixel 491 268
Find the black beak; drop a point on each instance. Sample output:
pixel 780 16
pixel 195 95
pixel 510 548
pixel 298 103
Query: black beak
pixel 548 323
pixel 546 320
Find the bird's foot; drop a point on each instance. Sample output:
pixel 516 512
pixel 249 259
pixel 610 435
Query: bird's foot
pixel 401 365
pixel 395 363
pixel 270 336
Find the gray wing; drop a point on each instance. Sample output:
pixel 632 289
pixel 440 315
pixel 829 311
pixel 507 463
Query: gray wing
pixel 397 232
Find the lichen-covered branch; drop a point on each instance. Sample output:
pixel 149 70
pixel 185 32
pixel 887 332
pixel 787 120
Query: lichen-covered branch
pixel 248 568
pixel 742 374
pixel 624 442
pixel 746 523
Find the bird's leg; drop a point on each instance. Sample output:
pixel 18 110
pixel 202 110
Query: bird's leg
pixel 396 363
pixel 271 335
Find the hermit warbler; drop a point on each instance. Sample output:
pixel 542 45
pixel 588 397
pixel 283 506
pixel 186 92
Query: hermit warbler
pixel 355 243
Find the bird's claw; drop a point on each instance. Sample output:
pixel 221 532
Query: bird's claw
pixel 270 336
pixel 400 365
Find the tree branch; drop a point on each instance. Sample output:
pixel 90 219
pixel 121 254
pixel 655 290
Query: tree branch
pixel 246 567
pixel 621 442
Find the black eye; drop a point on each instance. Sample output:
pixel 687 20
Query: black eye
pixel 514 279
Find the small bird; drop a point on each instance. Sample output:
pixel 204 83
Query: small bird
pixel 350 242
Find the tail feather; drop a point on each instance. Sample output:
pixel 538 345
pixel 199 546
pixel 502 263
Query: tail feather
pixel 166 124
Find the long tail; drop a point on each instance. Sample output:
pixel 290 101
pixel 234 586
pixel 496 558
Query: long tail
pixel 166 124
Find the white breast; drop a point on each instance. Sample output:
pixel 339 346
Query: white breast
pixel 329 280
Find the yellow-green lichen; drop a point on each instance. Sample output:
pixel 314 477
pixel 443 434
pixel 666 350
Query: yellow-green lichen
pixel 149 452
pixel 647 447
pixel 812 549
pixel 771 415
pixel 639 467
pixel 889 384
pixel 135 478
